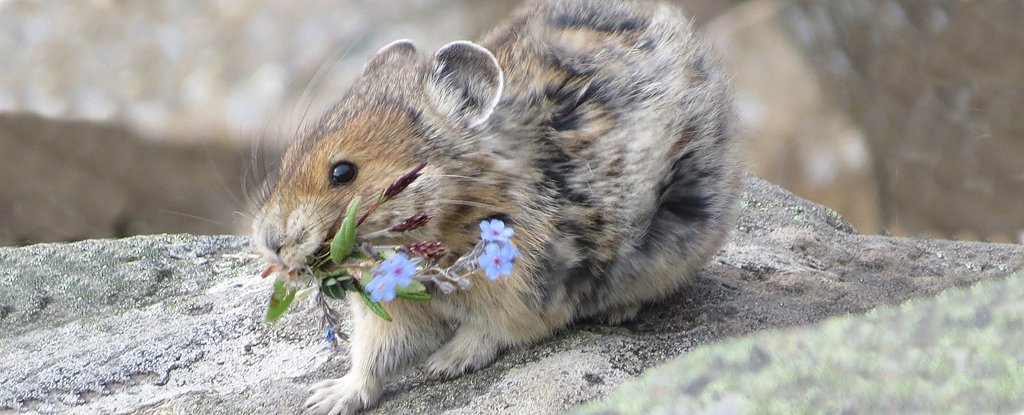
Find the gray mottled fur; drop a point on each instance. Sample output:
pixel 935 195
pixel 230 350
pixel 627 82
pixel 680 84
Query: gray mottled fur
pixel 612 150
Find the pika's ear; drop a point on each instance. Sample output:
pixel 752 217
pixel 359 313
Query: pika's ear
pixel 393 52
pixel 466 83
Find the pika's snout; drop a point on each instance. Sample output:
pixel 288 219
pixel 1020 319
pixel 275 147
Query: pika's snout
pixel 287 242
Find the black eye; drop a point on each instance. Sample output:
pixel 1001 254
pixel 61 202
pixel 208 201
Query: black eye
pixel 342 172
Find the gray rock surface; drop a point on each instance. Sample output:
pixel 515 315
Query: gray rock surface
pixel 957 353
pixel 173 324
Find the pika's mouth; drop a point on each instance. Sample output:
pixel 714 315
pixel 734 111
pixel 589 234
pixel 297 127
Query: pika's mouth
pixel 290 259
pixel 277 269
pixel 277 265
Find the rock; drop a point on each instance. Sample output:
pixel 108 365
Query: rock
pixel 173 324
pixel 191 69
pixel 957 353
pixel 934 84
pixel 796 136
pixel 70 180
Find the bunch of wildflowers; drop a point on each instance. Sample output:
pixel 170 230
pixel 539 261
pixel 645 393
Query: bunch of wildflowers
pixel 351 262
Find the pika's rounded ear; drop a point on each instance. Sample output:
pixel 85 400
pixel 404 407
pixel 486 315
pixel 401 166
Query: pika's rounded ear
pixel 466 83
pixel 393 52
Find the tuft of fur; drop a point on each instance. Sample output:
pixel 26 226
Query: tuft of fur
pixel 602 131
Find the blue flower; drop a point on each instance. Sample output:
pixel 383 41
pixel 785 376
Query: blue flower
pixel 495 230
pixel 394 272
pixel 381 288
pixel 497 260
pixel 398 267
pixel 332 340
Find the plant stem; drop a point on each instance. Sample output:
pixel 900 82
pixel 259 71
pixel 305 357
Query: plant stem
pixel 380 200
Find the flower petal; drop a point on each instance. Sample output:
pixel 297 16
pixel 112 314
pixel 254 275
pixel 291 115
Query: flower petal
pixel 493 271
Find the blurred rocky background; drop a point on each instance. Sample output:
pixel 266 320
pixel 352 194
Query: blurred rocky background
pixel 936 87
pixel 118 118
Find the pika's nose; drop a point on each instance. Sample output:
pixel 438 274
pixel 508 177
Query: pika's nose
pixel 273 241
pixel 275 246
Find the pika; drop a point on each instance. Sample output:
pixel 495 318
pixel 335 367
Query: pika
pixel 602 131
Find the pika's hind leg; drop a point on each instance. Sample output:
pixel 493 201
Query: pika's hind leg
pixel 619 315
pixel 379 349
pixel 477 342
pixel 472 348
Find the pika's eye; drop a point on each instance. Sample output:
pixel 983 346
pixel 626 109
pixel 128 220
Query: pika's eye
pixel 342 172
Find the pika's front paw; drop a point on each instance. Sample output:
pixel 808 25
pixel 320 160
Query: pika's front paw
pixel 455 359
pixel 343 396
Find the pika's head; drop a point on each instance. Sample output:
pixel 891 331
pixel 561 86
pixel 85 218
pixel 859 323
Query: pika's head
pixel 406 108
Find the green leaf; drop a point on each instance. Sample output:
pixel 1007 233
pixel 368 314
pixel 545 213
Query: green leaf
pixel 357 256
pixel 334 273
pixel 415 291
pixel 335 287
pixel 349 284
pixel 341 245
pixel 280 300
pixel 375 306
pixel 414 296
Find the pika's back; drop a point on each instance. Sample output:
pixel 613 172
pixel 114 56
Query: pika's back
pixel 627 125
pixel 621 85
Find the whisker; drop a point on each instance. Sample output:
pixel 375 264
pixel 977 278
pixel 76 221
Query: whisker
pixel 466 203
pixel 456 176
pixel 200 218
pixel 325 211
pixel 253 172
pixel 220 177
pixel 250 172
pixel 333 60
